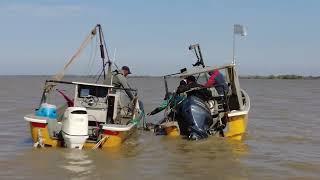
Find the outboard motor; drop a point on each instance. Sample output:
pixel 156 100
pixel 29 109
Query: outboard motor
pixel 75 127
pixel 194 118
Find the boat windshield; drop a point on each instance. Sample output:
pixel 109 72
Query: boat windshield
pixel 202 78
pixel 86 90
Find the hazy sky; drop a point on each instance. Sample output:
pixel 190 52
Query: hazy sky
pixel 152 36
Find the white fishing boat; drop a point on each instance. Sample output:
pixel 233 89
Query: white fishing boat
pixel 99 115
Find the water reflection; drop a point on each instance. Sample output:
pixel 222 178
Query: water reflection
pixel 77 162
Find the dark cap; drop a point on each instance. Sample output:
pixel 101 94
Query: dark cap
pixel 126 68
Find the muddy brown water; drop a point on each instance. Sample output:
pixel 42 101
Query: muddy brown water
pixel 283 139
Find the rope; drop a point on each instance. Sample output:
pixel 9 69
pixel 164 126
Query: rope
pixel 135 121
pixel 60 75
pixel 99 143
pixel 48 87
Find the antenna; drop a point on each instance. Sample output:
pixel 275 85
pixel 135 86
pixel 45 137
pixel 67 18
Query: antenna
pixel 197 52
pixel 241 30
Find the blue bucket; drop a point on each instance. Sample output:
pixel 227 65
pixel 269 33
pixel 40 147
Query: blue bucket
pixel 47 110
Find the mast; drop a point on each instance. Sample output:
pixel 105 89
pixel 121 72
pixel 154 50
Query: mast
pixel 102 51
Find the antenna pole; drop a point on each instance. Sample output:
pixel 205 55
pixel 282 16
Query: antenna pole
pixel 200 54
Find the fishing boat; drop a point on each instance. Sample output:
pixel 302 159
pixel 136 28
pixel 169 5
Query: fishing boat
pixel 224 115
pixel 98 115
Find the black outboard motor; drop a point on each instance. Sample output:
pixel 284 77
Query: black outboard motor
pixel 194 118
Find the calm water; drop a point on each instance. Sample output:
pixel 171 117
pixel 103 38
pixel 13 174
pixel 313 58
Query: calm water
pixel 283 139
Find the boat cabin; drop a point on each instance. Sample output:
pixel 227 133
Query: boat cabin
pixel 98 99
pixel 105 104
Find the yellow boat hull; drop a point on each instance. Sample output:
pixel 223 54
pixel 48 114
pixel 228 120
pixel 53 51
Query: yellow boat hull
pixel 172 131
pixel 236 128
pixel 113 139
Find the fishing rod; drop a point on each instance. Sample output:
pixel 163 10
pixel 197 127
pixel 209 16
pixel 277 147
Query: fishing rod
pixel 165 84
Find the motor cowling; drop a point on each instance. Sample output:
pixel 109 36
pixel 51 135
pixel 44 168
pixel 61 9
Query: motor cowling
pixel 75 127
pixel 194 118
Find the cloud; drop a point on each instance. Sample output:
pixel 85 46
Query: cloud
pixel 41 10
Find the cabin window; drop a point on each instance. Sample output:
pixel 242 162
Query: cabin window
pixel 85 90
pixel 202 78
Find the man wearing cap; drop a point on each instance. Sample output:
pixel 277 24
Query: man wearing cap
pixel 120 80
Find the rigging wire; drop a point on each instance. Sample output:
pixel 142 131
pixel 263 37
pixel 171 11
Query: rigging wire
pixel 87 68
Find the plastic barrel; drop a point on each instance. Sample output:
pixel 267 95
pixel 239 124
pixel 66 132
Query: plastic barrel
pixel 49 111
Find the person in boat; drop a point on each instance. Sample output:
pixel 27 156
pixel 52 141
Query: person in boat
pixel 218 81
pixel 170 100
pixel 192 88
pixel 193 116
pixel 120 80
pixel 182 86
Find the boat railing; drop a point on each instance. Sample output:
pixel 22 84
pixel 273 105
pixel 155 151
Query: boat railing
pixel 193 71
pixel 91 84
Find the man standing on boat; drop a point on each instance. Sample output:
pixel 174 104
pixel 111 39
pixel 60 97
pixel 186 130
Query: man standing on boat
pixel 122 88
pixel 120 80
pixel 218 81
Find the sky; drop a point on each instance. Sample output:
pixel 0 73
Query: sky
pixel 152 36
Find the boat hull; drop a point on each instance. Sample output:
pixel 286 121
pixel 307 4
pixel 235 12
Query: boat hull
pixel 113 138
pixel 236 128
pixel 40 131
